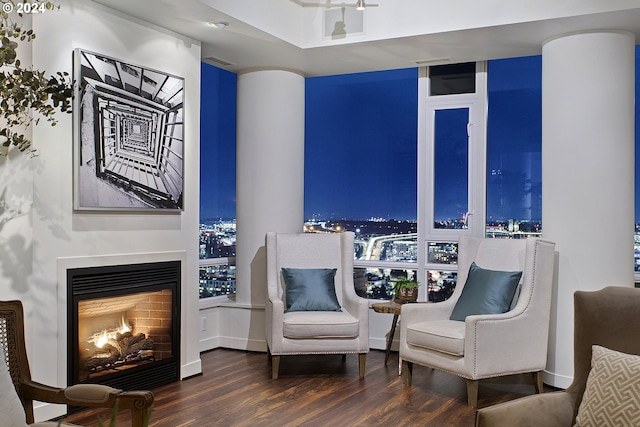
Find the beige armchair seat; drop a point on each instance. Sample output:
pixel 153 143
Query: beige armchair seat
pixel 610 318
pixel 18 391
pixel 486 345
pixel 297 319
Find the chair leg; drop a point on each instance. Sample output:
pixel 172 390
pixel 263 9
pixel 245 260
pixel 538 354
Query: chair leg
pixel 472 393
pixel 407 370
pixel 138 417
pixel 344 357
pixel 537 381
pixel 275 366
pixel 362 362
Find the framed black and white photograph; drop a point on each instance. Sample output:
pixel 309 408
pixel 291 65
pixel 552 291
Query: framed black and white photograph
pixel 129 145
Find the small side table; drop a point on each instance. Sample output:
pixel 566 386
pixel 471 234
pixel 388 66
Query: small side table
pixel 390 307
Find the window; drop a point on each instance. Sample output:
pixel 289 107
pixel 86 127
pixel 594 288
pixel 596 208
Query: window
pixel 361 169
pixel 514 147
pixel 452 140
pixel 451 168
pixel 452 79
pixel 364 169
pixel 217 182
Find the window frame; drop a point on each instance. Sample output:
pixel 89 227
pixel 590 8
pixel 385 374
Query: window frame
pixel 476 193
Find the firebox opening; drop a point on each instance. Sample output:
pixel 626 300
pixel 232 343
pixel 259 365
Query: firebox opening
pixel 123 332
pixel 124 325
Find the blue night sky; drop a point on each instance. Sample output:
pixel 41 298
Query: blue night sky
pixel 361 144
pixel 217 143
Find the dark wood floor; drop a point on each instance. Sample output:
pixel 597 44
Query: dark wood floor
pixel 236 389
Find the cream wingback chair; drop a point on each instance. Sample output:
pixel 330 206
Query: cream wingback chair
pixel 512 339
pixel 311 306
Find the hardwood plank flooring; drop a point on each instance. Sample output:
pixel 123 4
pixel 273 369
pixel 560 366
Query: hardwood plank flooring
pixel 236 389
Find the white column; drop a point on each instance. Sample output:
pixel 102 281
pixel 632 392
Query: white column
pixel 269 171
pixel 587 174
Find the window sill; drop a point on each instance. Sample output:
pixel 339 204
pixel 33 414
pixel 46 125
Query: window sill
pixel 226 301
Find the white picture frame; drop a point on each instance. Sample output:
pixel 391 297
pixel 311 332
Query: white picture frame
pixel 129 136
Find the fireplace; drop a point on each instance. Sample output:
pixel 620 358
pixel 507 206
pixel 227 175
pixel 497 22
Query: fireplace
pixel 123 325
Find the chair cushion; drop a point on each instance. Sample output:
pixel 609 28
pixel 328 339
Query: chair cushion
pixel 486 292
pixel 320 324
pixel 446 336
pixel 11 410
pixel 611 395
pixel 310 289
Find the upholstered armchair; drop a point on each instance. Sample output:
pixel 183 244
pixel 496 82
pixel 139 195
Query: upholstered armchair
pixel 609 318
pixel 510 280
pixel 311 306
pixel 18 391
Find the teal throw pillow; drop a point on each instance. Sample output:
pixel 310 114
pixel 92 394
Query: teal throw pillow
pixel 310 289
pixel 486 292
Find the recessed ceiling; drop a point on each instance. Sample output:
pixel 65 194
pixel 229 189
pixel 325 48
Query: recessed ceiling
pixel 240 46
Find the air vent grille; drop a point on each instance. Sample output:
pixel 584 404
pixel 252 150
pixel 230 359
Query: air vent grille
pixel 217 61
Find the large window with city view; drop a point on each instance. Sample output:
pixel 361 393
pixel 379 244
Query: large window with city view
pixel 361 172
pixel 217 182
pixel 514 147
pixel 368 149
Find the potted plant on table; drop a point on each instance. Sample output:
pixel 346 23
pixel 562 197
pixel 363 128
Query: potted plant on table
pixel 406 290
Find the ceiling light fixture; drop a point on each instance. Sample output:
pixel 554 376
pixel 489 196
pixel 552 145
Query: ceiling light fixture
pixel 219 24
pixel 360 5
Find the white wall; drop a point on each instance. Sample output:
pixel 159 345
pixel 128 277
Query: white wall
pixel 29 271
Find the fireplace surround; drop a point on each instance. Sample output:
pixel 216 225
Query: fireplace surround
pixel 123 325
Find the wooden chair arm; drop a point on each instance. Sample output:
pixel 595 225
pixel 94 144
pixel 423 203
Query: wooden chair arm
pixel 92 395
pixel 135 400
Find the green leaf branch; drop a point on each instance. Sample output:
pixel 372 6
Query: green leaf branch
pixel 25 91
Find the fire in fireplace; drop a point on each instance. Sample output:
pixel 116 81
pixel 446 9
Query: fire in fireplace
pixel 124 325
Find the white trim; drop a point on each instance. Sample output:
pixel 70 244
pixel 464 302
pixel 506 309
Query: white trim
pixel 477 105
pixel 190 369
pixel 427 105
pixel 555 380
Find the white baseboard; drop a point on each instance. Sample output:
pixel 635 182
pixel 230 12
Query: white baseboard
pixel 555 380
pixel 381 344
pixel 190 369
pixel 233 343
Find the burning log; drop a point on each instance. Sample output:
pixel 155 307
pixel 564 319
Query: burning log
pixel 124 348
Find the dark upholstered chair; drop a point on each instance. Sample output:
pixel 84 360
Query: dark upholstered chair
pixel 12 347
pixel 609 318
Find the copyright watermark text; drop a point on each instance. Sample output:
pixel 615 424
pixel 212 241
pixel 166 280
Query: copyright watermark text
pixel 24 7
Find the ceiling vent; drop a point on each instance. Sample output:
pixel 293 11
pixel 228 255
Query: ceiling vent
pixel 434 61
pixel 212 60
